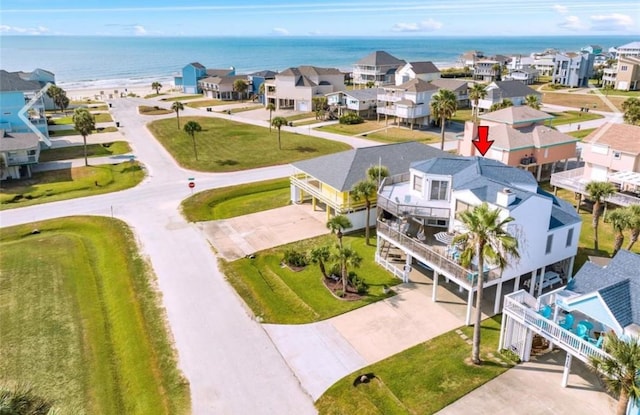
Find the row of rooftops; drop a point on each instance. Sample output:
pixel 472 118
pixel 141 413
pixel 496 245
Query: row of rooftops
pixel 20 81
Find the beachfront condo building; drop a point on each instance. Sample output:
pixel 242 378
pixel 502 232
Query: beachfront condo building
pixel 407 103
pixel 629 49
pixel 376 69
pixel 572 69
pixel 611 153
pixel 295 88
pixel 521 139
pixel 418 215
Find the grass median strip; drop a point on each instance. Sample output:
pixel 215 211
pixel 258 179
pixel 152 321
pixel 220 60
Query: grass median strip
pixel 86 330
pixel 261 283
pixel 232 201
pixel 225 145
pixel 93 150
pixel 421 380
pixel 70 183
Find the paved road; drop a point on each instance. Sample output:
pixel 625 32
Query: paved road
pixel 232 365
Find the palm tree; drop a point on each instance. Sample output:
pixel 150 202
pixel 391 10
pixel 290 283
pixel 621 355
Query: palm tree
pixel 497 71
pixel 348 258
pixel 533 101
pixel 22 400
pixel 598 191
pixel 84 123
pixel 191 128
pixel 240 86
pixel 54 92
pixel 319 256
pixel 476 93
pixel 337 224
pixel 443 106
pixel 278 122
pixel 177 106
pixel 157 86
pixel 621 369
pixel 486 239
pixel 631 108
pixel 270 107
pixel 634 211
pixel 377 173
pixel 620 220
pixel 365 189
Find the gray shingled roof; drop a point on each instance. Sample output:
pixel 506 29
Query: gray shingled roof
pixel 511 89
pixel 367 94
pixel 342 170
pixel 380 58
pixel 197 65
pixel 424 67
pixel 517 115
pixel 618 284
pixel 219 72
pixel 414 85
pixel 18 141
pixel 267 74
pixel 12 81
pixel 451 84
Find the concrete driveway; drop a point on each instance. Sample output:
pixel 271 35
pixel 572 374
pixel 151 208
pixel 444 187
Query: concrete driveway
pixel 243 235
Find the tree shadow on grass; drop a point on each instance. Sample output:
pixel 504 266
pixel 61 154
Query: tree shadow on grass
pixel 304 149
pixel 227 162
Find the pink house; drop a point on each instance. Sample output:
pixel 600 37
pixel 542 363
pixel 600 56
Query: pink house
pixel 520 139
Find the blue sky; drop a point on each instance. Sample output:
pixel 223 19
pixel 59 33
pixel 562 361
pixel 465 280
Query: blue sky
pixel 319 18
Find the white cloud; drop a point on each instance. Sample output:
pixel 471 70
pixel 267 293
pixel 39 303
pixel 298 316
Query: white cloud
pixel 428 25
pixel 139 30
pixel 572 23
pixel 560 9
pixel 280 31
pixel 611 22
pixel 23 30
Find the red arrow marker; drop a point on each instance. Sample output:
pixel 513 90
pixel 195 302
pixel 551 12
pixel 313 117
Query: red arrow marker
pixel 482 143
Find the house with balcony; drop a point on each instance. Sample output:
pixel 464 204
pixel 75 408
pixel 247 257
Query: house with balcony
pixel 572 69
pixel 193 72
pixel 487 70
pixel 327 181
pixel 378 67
pixel 295 88
pixel 459 88
pixel 521 139
pixel 610 153
pixel 222 87
pixel 19 151
pixel 360 101
pixel 468 59
pixel 256 80
pixel 408 103
pixel 597 300
pixel 418 214
pixel 513 90
pixel 629 49
pixel 624 75
pixel 545 63
pixel 424 70
pixel 22 104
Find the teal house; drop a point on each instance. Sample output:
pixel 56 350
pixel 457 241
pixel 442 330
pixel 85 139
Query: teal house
pixel 195 71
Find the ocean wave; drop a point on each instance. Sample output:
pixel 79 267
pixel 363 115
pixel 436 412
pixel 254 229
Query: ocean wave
pixel 133 82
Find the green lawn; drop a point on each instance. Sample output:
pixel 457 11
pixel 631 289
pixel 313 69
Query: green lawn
pixel 232 201
pixel 93 150
pixel 225 145
pixel 98 117
pixel 573 117
pixel 154 95
pixel 400 135
pixel 420 380
pixel 249 107
pixel 462 116
pixel 73 131
pixel 615 92
pixel 280 295
pixel 296 117
pixel 210 103
pixel 155 110
pixel 66 184
pixel 582 133
pixel 86 330
pixel 182 98
pixel 353 129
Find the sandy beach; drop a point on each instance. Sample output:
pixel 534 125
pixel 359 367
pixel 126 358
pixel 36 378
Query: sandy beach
pixel 113 92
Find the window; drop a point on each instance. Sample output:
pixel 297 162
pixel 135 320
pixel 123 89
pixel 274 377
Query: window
pixel 417 183
pixel 623 68
pixel 439 190
pixel 616 155
pixel 569 237
pixel 461 207
pixel 549 244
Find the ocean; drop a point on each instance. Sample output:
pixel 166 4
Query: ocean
pixel 94 62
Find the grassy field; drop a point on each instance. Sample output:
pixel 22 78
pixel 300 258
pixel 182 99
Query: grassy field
pixel 230 146
pixel 421 380
pixel 72 131
pixel 98 117
pixel 400 135
pixel 93 150
pixel 155 110
pixel 462 116
pixel 616 93
pixel 353 129
pixel 249 107
pixel 66 184
pixel 154 95
pixel 86 330
pixel 582 133
pixel 232 201
pixel 581 100
pixel 181 98
pixel 573 117
pixel 280 295
pixel 210 103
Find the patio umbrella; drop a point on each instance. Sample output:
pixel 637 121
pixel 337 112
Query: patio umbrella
pixel 444 237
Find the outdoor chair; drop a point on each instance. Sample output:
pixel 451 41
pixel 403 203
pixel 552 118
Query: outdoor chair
pixel 582 331
pixel 567 322
pixel 546 311
pixel 597 343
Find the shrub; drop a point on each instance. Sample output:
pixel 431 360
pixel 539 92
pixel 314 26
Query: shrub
pixel 351 118
pixel 358 283
pixel 295 258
